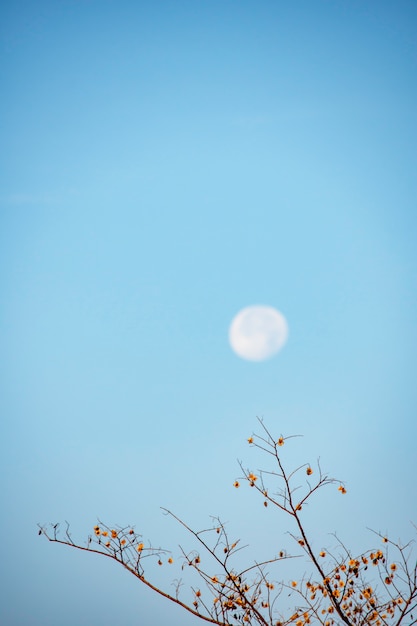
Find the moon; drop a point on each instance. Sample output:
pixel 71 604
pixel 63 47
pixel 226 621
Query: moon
pixel 258 332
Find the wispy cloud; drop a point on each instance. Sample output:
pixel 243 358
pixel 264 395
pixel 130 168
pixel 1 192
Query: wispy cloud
pixel 250 120
pixel 28 198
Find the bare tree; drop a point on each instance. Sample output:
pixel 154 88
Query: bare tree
pixel 378 587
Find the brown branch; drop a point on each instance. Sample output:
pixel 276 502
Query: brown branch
pixel 343 592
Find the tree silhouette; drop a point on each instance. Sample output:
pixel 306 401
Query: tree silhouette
pixel 377 587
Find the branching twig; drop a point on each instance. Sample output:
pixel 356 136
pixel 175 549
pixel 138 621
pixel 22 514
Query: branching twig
pixel 378 587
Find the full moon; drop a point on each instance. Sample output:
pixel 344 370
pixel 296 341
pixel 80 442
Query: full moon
pixel 258 332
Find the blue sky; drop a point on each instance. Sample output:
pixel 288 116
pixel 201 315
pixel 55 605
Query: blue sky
pixel 166 164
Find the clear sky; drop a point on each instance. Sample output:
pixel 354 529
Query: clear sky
pixel 165 164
